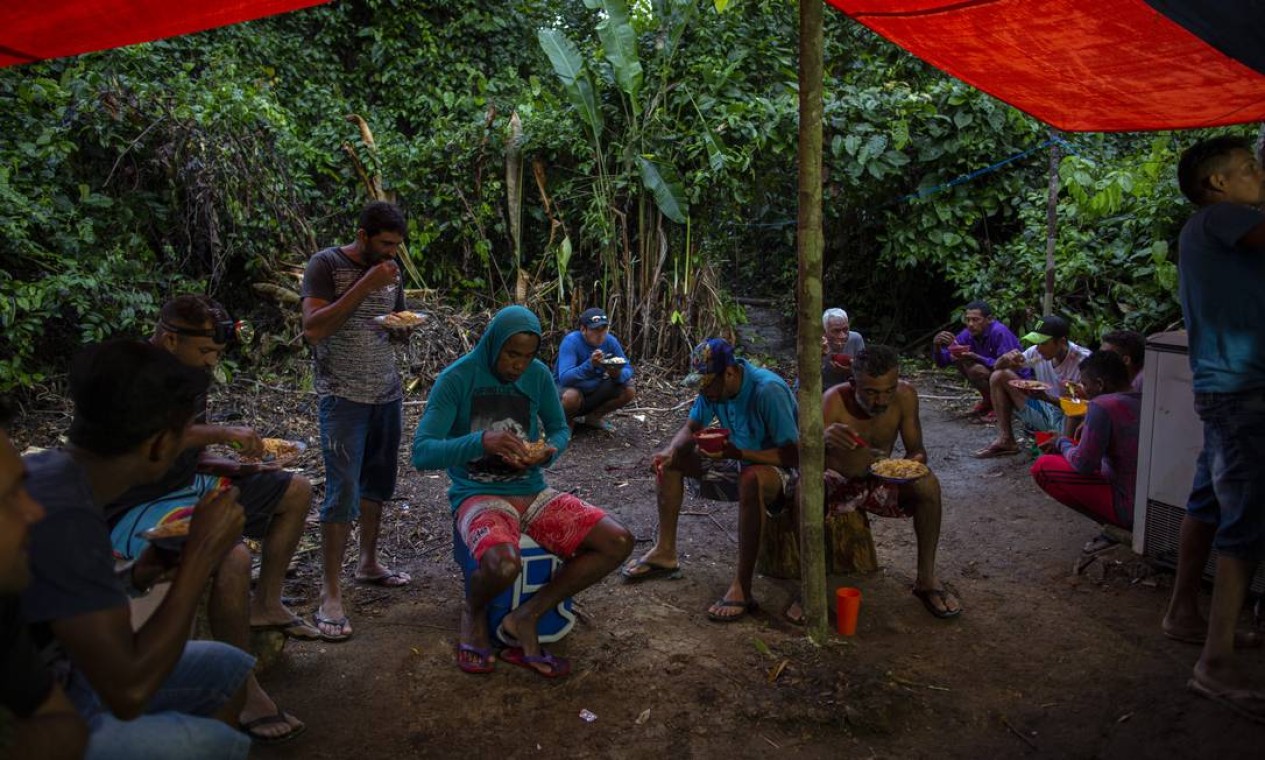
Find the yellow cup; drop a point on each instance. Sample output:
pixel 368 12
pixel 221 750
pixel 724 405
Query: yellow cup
pixel 1073 408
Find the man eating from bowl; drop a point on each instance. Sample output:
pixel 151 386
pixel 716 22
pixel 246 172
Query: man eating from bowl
pixel 482 416
pixel 1054 361
pixel 975 350
pixel 755 466
pixel 839 343
pixel 593 373
pixel 863 419
pixel 197 331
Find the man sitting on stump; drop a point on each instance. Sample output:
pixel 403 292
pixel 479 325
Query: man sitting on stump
pixel 863 419
pixel 755 465
pixel 482 423
pixel 593 373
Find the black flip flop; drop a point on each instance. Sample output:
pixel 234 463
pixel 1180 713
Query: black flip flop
pixel 925 595
pixel 747 608
pixel 251 728
pixel 655 571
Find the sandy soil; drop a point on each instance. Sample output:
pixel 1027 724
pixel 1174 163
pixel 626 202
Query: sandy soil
pixel 1044 661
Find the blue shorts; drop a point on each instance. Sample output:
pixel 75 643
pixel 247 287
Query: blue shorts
pixel 259 495
pixel 361 445
pixel 1040 416
pixel 177 723
pixel 1229 486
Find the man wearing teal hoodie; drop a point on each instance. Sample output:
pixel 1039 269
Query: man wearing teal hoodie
pixel 482 415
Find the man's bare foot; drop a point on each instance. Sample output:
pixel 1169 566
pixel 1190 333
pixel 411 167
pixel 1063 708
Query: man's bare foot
pixel 473 652
pixel 271 613
pixel 998 448
pixel 377 575
pixel 518 626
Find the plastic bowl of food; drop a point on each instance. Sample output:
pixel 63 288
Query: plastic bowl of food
pixel 170 535
pixel 614 361
pixel 401 319
pixel 712 440
pixel 956 350
pixel 1029 385
pixel 899 470
pixel 1073 407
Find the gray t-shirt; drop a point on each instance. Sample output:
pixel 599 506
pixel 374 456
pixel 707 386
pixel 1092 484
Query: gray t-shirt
pixel 356 362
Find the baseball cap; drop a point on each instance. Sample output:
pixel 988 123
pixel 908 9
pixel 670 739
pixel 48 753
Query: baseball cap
pixel 706 360
pixel 594 317
pixel 1048 327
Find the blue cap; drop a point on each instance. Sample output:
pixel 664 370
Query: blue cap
pixel 708 358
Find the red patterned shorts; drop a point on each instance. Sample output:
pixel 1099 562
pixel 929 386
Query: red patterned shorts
pixel 557 521
pixel 863 494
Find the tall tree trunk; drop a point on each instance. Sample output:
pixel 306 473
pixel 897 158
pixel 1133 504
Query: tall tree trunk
pixel 811 440
pixel 1051 226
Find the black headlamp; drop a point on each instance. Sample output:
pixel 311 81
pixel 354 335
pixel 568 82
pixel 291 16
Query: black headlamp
pixel 223 331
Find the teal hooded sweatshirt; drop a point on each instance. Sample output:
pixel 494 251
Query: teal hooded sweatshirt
pixel 469 398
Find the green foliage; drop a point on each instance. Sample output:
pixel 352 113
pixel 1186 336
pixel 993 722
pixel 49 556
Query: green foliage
pixel 658 154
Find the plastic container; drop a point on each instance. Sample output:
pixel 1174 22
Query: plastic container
pixel 1073 408
pixel 538 569
pixel 847 609
pixel 712 440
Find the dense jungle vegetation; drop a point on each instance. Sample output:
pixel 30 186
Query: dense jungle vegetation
pixel 556 152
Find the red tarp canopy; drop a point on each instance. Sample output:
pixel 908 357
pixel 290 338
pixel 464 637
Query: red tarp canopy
pixel 32 30
pixel 1092 65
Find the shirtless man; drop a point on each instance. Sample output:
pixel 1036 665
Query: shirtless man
pixel 862 419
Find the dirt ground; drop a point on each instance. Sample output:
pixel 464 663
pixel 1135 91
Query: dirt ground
pixel 1043 662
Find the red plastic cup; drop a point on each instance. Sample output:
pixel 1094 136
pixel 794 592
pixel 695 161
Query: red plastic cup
pixel 847 608
pixel 712 440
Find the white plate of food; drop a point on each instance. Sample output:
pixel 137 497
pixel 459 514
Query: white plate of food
pixel 401 319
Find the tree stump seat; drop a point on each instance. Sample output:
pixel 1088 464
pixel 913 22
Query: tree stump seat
pixel 849 546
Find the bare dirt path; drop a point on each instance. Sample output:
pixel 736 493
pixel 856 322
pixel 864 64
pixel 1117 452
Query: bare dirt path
pixel 1042 663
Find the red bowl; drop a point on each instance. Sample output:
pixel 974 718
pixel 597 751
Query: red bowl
pixel 957 349
pixel 843 360
pixel 712 440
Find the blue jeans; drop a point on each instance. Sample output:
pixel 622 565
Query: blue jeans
pixel 361 444
pixel 177 723
pixel 1229 486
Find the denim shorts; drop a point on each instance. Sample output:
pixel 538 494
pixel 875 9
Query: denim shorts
pixel 1229 485
pixel 361 445
pixel 177 723
pixel 1040 416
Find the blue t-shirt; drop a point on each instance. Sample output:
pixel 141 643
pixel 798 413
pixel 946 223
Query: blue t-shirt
pixel 1223 299
pixel 762 415
pixel 574 368
pixel 72 562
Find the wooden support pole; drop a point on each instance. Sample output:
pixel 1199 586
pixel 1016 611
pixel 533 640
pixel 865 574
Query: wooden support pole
pixel 811 436
pixel 1051 227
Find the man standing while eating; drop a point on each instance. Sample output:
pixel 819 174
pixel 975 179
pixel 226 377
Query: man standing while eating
pixel 361 397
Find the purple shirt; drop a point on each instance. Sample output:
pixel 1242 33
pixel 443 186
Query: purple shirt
pixel 1109 447
pixel 995 340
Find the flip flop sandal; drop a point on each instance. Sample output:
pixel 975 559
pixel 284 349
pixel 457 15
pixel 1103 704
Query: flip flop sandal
pixel 509 639
pixel 925 595
pixel 558 666
pixel 654 571
pixel 320 620
pixel 298 629
pixel 385 580
pixel 251 728
pixel 1098 544
pixel 747 608
pixel 1247 703
pixel 483 664
pixel 992 452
